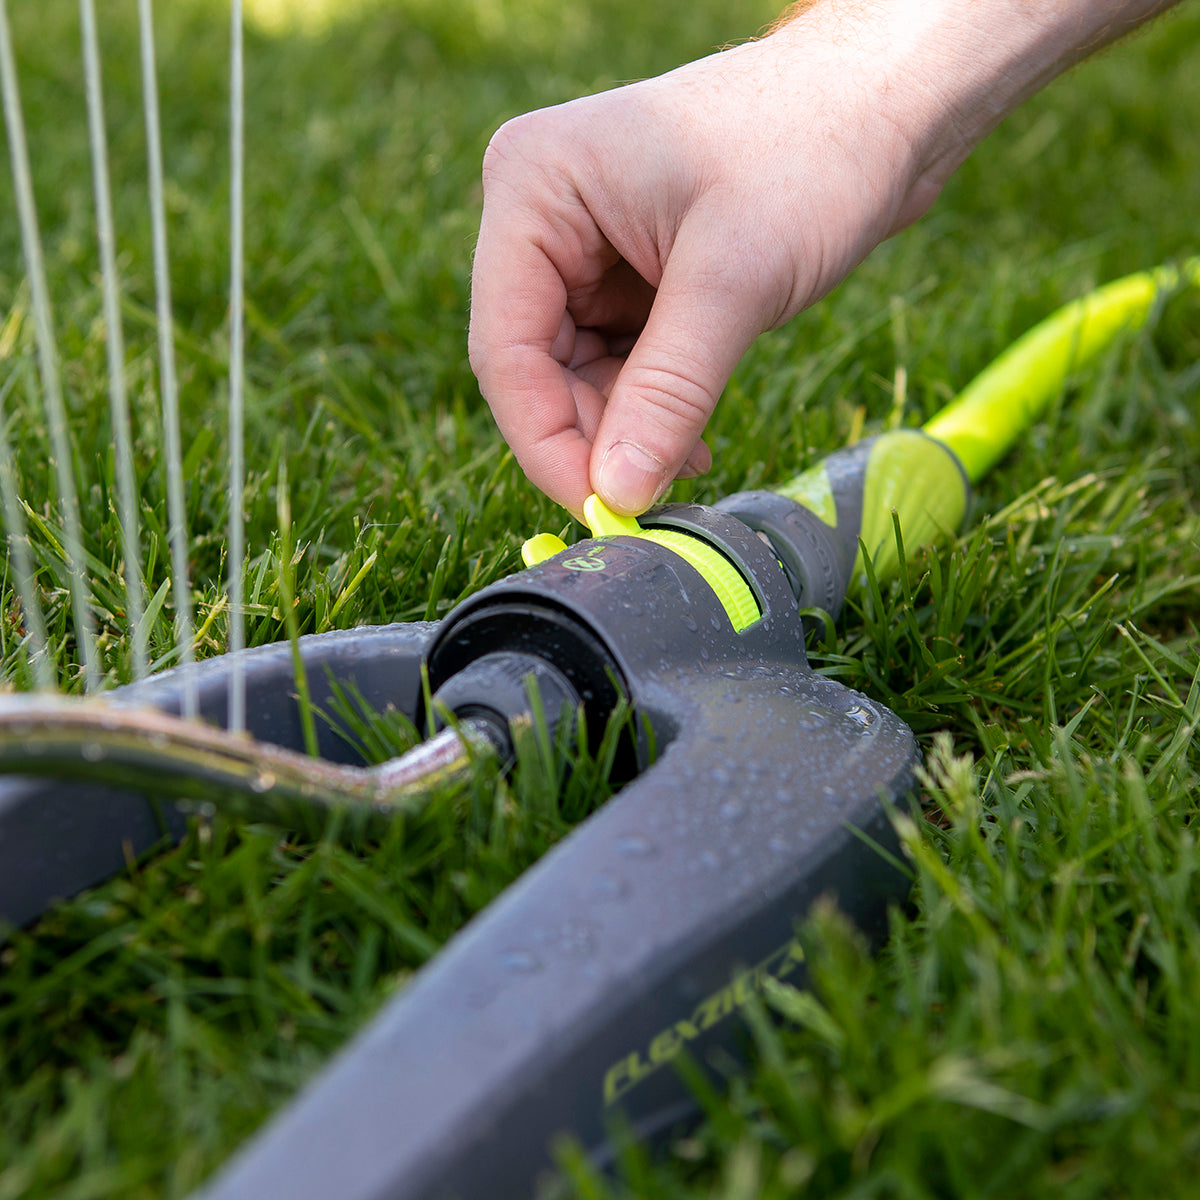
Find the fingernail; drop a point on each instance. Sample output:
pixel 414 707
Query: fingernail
pixel 629 479
pixel 687 471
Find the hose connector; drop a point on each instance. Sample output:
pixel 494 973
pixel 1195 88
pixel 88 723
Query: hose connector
pixel 501 687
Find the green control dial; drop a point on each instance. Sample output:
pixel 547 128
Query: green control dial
pixel 719 573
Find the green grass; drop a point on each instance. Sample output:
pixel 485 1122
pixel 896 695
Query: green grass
pixel 1029 1029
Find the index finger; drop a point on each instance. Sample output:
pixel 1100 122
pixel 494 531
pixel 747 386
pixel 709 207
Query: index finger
pixel 518 303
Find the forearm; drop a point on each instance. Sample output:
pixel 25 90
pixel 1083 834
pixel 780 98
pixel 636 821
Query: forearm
pixel 954 69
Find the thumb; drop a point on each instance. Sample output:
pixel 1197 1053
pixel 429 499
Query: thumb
pixel 705 315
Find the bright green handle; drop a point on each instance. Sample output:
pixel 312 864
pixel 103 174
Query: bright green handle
pixel 1004 399
pixel 922 477
pixel 855 492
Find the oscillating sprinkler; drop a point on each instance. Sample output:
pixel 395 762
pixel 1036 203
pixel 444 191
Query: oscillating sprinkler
pixel 752 786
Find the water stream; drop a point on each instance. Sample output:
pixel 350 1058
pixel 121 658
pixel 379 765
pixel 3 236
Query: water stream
pixel 47 385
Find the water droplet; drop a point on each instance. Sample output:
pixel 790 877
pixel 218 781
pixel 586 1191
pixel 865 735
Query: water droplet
pixel 861 716
pixel 636 845
pixel 689 624
pixel 778 844
pixel 520 961
pixel 264 781
pixel 710 859
pixel 577 938
pixel 731 810
pixel 608 887
pixel 91 751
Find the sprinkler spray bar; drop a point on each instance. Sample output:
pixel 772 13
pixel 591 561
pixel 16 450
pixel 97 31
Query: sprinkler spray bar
pixel 755 786
pixel 149 752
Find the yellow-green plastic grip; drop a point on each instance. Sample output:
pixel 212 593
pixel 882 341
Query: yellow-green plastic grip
pixel 1004 399
pixel 915 478
pixel 855 492
pixel 813 489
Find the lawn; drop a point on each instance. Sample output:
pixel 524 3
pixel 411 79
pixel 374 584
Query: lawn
pixel 1029 1028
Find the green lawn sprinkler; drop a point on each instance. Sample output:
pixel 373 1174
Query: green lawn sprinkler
pixel 754 786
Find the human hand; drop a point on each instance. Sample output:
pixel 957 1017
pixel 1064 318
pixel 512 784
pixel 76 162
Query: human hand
pixel 634 243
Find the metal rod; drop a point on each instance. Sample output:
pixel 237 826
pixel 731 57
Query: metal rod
pixel 237 469
pixel 127 496
pixel 37 649
pixel 47 352
pixel 173 456
pixel 148 751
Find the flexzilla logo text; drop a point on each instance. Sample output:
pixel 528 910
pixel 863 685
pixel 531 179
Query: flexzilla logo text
pixel 626 1073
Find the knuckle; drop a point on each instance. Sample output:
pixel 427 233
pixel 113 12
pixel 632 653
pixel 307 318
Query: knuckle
pixel 515 146
pixel 673 397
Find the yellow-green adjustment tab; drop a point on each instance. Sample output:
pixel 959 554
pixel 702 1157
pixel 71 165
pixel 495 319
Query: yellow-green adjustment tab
pixel 719 573
pixel 541 547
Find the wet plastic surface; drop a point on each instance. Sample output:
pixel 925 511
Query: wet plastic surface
pixel 759 787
